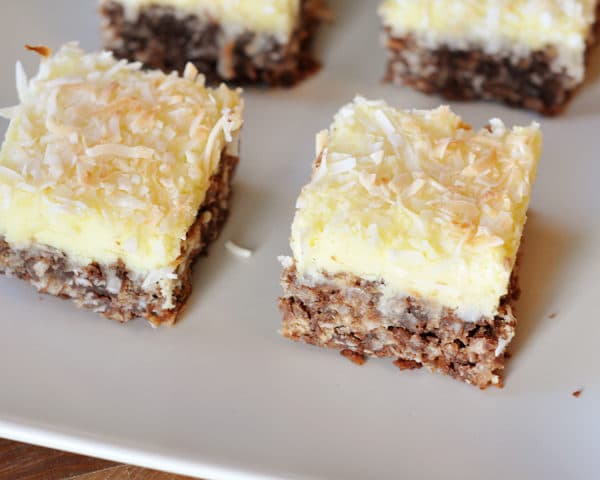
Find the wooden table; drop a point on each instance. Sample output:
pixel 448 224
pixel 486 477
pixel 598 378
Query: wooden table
pixel 19 461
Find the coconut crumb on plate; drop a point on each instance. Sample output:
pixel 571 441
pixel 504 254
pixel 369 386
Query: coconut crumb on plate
pixel 237 250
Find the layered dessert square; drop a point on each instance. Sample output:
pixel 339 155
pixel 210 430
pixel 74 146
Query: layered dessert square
pixel 405 240
pixel 113 180
pixel 526 53
pixel 243 42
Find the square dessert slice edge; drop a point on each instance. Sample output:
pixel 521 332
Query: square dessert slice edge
pixel 415 334
pixel 124 176
pixel 521 78
pixel 161 36
pixel 382 266
pixel 113 290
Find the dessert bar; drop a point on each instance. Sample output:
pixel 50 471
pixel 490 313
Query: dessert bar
pixel 526 53
pixel 405 240
pixel 243 42
pixel 113 180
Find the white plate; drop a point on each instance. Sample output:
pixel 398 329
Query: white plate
pixel 223 396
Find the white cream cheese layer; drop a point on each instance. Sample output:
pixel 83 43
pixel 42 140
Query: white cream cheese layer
pixel 105 161
pixel 418 201
pixel 516 27
pixel 275 17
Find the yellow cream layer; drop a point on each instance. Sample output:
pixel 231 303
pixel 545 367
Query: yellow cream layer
pixel 419 201
pixel 276 17
pixel 105 161
pixel 495 25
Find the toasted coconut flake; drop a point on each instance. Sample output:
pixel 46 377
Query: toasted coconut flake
pixel 414 187
pixel 26 187
pixel 190 72
pixel 321 141
pixel 321 170
pixel 342 166
pixel 377 156
pixel 228 125
pixel 209 151
pixel 22 83
pixel 10 174
pixel 9 112
pixel 197 124
pixel 41 50
pixel 116 150
pixel 497 126
pixel 387 126
pixel 59 129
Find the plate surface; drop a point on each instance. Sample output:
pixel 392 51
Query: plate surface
pixel 223 396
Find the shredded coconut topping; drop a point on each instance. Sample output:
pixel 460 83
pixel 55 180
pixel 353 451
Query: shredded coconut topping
pixel 434 166
pixel 394 189
pixel 100 157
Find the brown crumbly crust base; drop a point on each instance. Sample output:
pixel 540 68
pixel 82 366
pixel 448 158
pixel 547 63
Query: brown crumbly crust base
pixel 112 290
pixel 161 37
pixel 343 313
pixel 525 82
